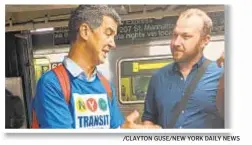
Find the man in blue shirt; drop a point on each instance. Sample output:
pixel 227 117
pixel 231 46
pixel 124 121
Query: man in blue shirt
pixel 167 86
pixel 91 30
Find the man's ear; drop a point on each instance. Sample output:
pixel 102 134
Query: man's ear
pixel 84 31
pixel 205 41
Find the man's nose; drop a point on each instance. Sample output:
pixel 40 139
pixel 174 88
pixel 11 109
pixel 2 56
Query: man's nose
pixel 178 40
pixel 112 43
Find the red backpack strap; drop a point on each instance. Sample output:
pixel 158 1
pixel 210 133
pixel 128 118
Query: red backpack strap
pixel 106 85
pixel 35 123
pixel 64 81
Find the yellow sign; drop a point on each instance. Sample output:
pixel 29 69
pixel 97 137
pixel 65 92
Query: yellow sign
pixel 148 66
pixel 135 67
pixel 41 65
pixel 152 65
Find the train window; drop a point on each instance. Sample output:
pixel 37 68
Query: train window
pixel 134 76
pixel 140 86
pixel 45 62
pixel 41 65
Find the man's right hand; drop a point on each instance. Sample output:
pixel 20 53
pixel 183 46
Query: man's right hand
pixel 130 123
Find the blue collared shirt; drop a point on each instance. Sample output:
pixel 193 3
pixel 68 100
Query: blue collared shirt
pixel 166 88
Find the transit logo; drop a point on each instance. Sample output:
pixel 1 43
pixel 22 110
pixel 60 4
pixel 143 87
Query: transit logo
pixel 92 104
pixel 102 104
pixel 80 105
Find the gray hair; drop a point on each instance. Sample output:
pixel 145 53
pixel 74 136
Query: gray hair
pixel 90 14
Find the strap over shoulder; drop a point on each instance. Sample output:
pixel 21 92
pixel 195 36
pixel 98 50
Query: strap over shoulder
pixel 63 78
pixel 106 85
pixel 64 81
pixel 190 88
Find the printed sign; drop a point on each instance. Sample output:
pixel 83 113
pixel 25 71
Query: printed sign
pixel 91 111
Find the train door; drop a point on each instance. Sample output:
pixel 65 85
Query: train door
pixel 26 70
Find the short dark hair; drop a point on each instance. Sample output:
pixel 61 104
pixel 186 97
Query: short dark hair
pixel 90 14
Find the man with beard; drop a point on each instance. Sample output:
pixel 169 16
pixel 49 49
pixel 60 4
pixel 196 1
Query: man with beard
pixel 168 85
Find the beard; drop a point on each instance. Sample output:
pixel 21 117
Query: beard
pixel 180 55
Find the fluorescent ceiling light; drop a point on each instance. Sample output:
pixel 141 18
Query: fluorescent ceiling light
pixel 42 30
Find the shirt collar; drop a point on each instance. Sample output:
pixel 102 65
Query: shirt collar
pixel 175 67
pixel 76 70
